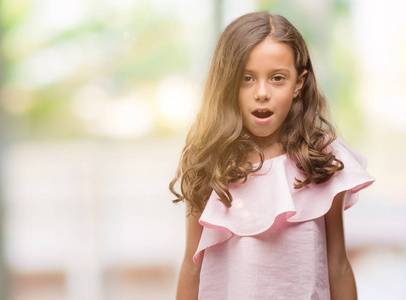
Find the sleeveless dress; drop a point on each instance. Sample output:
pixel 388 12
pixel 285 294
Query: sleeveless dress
pixel 271 243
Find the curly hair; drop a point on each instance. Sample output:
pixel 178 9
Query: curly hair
pixel 217 144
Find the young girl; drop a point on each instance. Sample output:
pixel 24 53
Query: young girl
pixel 263 175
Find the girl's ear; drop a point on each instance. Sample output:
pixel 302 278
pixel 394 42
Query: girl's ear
pixel 299 83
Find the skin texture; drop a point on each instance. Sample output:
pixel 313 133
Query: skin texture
pixel 341 277
pixel 270 82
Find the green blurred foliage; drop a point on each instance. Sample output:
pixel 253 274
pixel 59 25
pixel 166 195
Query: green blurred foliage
pixel 122 51
pixel 14 12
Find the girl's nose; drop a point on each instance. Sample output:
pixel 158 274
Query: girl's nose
pixel 262 92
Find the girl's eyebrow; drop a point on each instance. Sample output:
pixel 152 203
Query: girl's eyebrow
pixel 272 71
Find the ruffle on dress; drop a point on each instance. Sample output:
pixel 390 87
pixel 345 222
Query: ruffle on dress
pixel 270 192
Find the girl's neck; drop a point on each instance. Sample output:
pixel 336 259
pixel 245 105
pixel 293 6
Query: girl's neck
pixel 264 142
pixel 270 147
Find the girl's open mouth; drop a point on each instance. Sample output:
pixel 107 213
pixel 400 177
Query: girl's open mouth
pixel 262 114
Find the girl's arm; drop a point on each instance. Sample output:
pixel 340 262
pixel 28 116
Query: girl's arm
pixel 341 277
pixel 189 277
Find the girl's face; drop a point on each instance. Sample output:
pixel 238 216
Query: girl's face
pixel 269 84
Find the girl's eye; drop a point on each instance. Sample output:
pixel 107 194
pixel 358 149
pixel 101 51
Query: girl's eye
pixel 248 78
pixel 277 78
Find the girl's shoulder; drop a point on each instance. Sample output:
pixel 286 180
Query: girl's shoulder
pixel 345 153
pixel 352 179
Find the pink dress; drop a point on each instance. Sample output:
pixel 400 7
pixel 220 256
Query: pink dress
pixel 271 244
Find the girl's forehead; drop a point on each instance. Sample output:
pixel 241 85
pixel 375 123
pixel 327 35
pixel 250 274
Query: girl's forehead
pixel 270 53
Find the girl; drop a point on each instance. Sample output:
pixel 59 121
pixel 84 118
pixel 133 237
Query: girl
pixel 263 175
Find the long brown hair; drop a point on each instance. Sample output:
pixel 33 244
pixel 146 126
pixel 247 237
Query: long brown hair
pixel 217 143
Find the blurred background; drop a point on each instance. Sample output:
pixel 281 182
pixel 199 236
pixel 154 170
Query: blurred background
pixel 96 98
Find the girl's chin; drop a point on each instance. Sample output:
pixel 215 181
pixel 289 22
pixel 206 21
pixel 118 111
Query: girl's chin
pixel 265 139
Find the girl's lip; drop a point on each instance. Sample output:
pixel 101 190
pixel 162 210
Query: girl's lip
pixel 262 120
